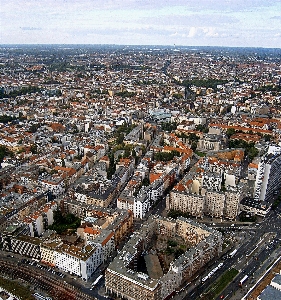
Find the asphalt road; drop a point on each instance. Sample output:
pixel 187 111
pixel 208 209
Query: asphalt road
pixel 255 252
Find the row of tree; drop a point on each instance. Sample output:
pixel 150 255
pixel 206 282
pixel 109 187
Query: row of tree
pixel 22 91
pixel 250 150
pixel 207 83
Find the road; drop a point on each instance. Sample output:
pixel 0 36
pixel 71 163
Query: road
pixel 255 252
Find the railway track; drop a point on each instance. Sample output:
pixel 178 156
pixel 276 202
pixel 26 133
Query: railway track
pixel 57 289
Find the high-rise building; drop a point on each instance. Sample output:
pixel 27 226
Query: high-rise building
pixel 268 179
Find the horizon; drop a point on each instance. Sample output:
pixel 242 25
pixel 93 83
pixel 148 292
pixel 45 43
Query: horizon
pixel 137 45
pixel 207 23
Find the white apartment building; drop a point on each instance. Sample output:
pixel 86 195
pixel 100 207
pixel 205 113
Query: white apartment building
pixel 55 185
pixel 141 206
pixel 106 241
pixel 41 219
pixel 268 177
pixel 78 261
pixel 126 200
pixel 212 181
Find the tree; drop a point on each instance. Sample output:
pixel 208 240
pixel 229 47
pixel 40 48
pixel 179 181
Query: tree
pixel 57 216
pixel 193 137
pixel 6 119
pixel 253 152
pixel 4 151
pixel 69 218
pixel 145 182
pixel 33 128
pixel 127 152
pixel 177 96
pixel 202 128
pixel 63 163
pixel 193 146
pixel 230 132
pixel 33 149
pixel 134 153
pixel 120 138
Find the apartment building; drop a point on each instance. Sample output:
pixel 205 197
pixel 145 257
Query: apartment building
pixel 122 278
pixel 189 197
pixel 210 142
pixel 268 177
pixel 186 202
pixel 79 261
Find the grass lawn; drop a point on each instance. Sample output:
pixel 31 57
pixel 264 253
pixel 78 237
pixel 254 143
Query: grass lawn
pixel 201 154
pixel 16 289
pixel 220 284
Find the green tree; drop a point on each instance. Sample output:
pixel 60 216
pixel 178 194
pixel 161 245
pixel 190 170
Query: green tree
pixel 69 218
pixel 33 149
pixel 252 153
pixel 194 146
pixel 57 216
pixel 177 96
pixel 120 138
pixel 33 128
pixel 145 182
pixel 134 153
pixel 4 151
pixel 193 137
pixel 63 163
pixel 6 119
pixel 202 128
pixel 230 132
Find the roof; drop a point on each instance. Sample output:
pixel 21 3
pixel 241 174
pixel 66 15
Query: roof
pixel 270 293
pixel 153 266
pixel 107 239
pixel 240 128
pixel 90 230
pixel 252 165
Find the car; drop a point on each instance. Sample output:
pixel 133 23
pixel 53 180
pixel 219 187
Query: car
pixel 222 296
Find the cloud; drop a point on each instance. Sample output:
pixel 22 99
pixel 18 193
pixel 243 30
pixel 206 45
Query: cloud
pixel 192 32
pixel 30 28
pixel 202 32
pixel 210 32
pixel 276 18
pixel 141 21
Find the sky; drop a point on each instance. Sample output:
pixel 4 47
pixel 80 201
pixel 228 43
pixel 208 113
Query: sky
pixel 234 23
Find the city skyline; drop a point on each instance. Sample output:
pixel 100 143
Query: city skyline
pixel 130 22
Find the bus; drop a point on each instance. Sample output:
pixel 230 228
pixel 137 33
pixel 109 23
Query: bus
pixel 212 272
pixel 96 282
pixel 231 254
pixel 243 280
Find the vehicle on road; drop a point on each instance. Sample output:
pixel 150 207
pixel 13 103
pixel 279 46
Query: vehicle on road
pixel 231 254
pixel 212 272
pixel 94 284
pixel 243 280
